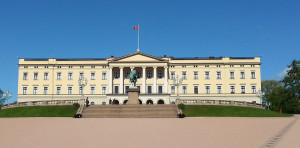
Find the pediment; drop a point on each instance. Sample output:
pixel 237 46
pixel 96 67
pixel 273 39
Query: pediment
pixel 138 57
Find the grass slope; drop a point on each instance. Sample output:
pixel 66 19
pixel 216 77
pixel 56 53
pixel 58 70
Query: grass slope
pixel 228 111
pixel 39 111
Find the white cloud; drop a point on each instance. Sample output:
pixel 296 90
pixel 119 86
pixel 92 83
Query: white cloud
pixel 281 75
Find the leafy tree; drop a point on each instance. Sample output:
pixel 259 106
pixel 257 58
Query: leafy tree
pixel 2 100
pixel 276 97
pixel 268 85
pixel 292 80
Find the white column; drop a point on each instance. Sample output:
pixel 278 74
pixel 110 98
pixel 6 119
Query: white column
pixel 121 80
pixel 110 81
pixel 144 80
pixel 166 80
pixel 154 79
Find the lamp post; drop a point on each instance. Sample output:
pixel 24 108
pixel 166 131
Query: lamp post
pixel 177 82
pixel 259 94
pixel 82 83
pixel 7 95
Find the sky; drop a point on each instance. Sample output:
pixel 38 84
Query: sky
pixel 192 28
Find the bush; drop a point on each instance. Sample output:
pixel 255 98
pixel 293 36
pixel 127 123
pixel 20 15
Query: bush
pixel 76 105
pixel 181 106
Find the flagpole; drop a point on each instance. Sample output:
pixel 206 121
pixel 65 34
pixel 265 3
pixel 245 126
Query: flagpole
pixel 138 38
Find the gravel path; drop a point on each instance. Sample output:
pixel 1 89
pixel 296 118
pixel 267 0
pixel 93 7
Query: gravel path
pixel 219 132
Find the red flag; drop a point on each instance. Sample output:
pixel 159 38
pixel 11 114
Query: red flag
pixel 136 27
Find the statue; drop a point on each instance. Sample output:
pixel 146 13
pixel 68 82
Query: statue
pixel 133 78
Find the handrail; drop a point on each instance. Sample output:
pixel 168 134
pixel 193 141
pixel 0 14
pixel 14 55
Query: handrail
pixel 80 109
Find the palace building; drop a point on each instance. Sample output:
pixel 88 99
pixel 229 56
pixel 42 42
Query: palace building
pixel 203 78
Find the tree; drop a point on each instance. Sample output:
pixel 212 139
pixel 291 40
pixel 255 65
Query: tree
pixel 292 80
pixel 267 87
pixel 2 100
pixel 276 97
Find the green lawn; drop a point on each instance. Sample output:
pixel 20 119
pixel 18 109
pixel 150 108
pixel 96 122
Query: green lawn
pixel 39 111
pixel 228 111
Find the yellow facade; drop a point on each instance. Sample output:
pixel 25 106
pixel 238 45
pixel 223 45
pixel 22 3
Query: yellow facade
pixel 212 78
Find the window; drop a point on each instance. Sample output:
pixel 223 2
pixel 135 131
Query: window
pixel 59 76
pixel 232 89
pixel 36 67
pixel 103 90
pixel 25 76
pixel 253 89
pixel 70 66
pixel 160 74
pixel 58 90
pixel 116 75
pixel 195 89
pixel 252 65
pixel 92 90
pixel 184 75
pixel 160 90
pixel 172 75
pixel 25 66
pixel 149 90
pixel 24 90
pixel 184 90
pixel 58 66
pixel 93 76
pixel 206 65
pixel 127 75
pixel 231 65
pixel 183 66
pixel 35 89
pixel 243 89
pixel 69 90
pixel 81 66
pixel 242 75
pixel 80 90
pixel 206 75
pixel 149 74
pixel 231 75
pixel 218 65
pixel 35 76
pixel 252 75
pixel 116 89
pixel 45 76
pixel 219 89
pixel 104 76
pixel 126 89
pixel 70 76
pixel 93 66
pixel 195 75
pixel 138 74
pixel 218 75
pixel 45 90
pixel 46 67
pixel 207 89
pixel 241 65
pixel 81 75
pixel 172 89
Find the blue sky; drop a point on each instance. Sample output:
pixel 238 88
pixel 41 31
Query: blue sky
pixel 99 29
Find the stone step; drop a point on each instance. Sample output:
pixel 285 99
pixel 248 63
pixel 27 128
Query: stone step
pixel 130 111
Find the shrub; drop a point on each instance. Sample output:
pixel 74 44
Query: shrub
pixel 181 106
pixel 76 105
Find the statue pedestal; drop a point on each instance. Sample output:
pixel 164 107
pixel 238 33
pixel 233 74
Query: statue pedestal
pixel 133 96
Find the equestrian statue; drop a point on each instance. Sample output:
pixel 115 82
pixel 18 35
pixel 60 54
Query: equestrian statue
pixel 133 78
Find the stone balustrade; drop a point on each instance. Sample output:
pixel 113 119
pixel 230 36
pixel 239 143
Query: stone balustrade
pixel 44 103
pixel 219 102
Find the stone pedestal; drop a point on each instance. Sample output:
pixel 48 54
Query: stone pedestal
pixel 133 96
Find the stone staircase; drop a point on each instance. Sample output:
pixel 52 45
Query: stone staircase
pixel 130 111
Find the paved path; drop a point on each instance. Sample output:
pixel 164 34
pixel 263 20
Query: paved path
pixel 228 132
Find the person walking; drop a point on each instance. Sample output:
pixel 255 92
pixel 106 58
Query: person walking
pixel 87 102
pixel 109 101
